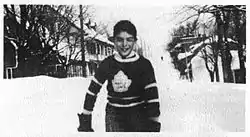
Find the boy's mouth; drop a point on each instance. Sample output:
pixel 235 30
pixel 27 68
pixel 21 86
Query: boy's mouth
pixel 124 49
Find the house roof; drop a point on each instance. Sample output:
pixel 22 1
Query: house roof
pixel 195 48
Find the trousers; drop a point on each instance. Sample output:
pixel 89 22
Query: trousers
pixel 132 119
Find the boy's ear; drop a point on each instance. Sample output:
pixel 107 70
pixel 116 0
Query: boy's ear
pixel 136 38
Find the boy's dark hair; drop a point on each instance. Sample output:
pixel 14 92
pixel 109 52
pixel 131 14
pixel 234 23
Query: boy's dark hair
pixel 127 26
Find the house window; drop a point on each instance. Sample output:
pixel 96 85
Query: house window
pixel 104 50
pixel 98 49
pixel 112 50
pixel 93 49
pixel 108 51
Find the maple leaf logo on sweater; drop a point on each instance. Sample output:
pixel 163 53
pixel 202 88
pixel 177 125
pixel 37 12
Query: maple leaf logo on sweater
pixel 121 82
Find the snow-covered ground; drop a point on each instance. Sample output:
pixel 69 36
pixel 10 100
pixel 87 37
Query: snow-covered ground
pixel 45 106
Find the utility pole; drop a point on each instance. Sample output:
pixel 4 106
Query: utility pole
pixel 82 43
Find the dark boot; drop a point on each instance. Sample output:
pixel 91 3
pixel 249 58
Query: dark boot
pixel 85 123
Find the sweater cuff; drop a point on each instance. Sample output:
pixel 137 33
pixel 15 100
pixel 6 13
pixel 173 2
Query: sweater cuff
pixel 152 109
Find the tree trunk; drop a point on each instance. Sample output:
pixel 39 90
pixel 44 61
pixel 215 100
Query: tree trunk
pixel 226 65
pixel 82 43
pixel 240 36
pixel 242 77
pixel 216 55
pixel 216 70
pixel 225 54
pixel 211 73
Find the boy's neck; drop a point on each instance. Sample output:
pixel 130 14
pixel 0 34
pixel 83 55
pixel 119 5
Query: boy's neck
pixel 133 56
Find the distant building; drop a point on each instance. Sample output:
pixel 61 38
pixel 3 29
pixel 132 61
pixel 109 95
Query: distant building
pixel 97 48
pixel 10 59
pixel 64 59
pixel 186 51
pixel 191 63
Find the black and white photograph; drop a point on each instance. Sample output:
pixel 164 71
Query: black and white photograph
pixel 131 70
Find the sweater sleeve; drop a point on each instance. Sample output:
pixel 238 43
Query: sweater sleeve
pixel 95 86
pixel 151 96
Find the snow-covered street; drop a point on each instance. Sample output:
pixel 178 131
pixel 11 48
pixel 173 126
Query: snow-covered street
pixel 45 106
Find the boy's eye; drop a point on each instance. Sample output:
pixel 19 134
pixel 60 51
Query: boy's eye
pixel 130 39
pixel 121 39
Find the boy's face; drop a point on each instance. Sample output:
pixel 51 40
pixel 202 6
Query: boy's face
pixel 124 43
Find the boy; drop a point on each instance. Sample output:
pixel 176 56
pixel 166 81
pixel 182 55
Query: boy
pixel 133 104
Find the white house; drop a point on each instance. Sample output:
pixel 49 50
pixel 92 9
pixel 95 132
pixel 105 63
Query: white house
pixel 97 47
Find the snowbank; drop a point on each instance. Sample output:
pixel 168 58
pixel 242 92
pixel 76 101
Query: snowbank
pixel 45 106
pixel 39 106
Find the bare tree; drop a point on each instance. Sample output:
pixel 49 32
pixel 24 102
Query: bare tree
pixel 210 56
pixel 38 30
pixel 221 17
pixel 78 40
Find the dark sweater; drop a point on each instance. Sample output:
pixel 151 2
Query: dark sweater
pixel 131 82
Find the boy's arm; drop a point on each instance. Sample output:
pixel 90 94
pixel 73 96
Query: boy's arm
pixel 94 87
pixel 151 94
pixel 152 105
pixel 85 119
pixel 91 95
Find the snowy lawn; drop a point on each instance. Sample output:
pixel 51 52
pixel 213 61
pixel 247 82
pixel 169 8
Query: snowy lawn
pixel 42 106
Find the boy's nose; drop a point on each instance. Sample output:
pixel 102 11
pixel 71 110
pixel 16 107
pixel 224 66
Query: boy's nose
pixel 125 43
